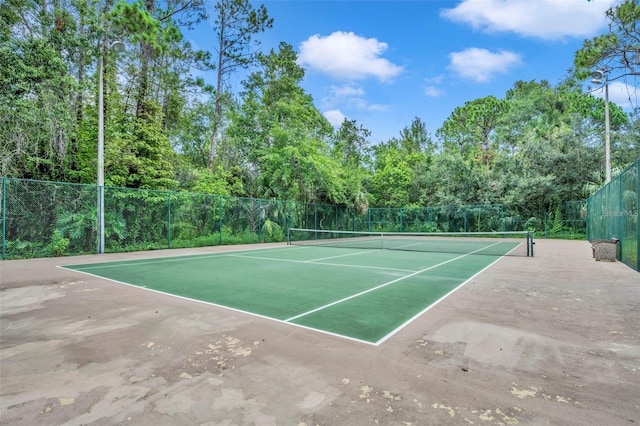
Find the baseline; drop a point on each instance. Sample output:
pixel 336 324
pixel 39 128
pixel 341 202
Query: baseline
pixel 179 258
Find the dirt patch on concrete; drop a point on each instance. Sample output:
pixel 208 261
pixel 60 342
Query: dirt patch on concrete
pixel 553 339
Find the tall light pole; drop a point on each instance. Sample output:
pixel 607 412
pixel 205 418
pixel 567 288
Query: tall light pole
pixel 597 77
pixel 116 46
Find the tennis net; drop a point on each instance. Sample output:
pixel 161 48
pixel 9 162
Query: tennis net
pixel 512 243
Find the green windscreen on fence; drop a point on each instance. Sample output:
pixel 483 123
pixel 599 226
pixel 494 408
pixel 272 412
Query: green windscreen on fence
pixel 612 212
pixel 41 218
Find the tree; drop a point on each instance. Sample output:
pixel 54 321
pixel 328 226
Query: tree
pixel 549 147
pixel 35 86
pixel 454 180
pixel 617 51
pixel 469 128
pixel 236 24
pixel 141 158
pixel 401 166
pixel 282 135
pixel 350 147
pixel 627 147
pixel 416 138
pixel 351 143
pixel 392 182
pixel 152 27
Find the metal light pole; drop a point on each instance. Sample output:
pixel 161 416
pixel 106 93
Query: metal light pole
pixel 607 133
pixel 597 77
pixel 116 46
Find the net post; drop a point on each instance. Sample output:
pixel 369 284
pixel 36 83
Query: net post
pixel 530 244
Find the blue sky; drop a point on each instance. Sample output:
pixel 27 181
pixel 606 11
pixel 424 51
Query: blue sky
pixel 382 63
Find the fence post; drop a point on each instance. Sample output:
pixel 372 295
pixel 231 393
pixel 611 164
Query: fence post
pixel 620 219
pixel 315 216
pixel 169 220
pixel 464 216
pixel 259 220
pixel 4 218
pixel 637 174
pixel 220 220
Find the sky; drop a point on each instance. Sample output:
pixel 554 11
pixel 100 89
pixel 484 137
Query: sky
pixel 383 63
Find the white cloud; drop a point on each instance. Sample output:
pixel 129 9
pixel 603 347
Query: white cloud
pixel 435 80
pixel 545 19
pixel 481 65
pixel 622 94
pixel 349 96
pixel 433 92
pixel 335 117
pixel 340 95
pixel 363 104
pixel 347 56
pixel 346 91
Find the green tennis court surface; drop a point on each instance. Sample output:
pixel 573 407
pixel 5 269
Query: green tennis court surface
pixel 361 294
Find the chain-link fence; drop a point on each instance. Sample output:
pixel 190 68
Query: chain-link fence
pixel 41 219
pixel 612 212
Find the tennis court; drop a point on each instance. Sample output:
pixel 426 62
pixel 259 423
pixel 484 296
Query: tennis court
pixel 550 339
pixel 361 286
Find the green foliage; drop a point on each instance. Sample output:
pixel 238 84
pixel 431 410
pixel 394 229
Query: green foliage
pixel 142 158
pixel 17 249
pixel 246 236
pixel 37 122
pixel 555 222
pixel 237 23
pixel 135 19
pixel 219 182
pixel 283 136
pixel 469 129
pixel 59 244
pixel 393 182
pixel 79 227
pixel 615 51
pixel 533 224
pixel 272 232
pixel 351 142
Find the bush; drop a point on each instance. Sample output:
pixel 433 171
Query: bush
pixel 59 244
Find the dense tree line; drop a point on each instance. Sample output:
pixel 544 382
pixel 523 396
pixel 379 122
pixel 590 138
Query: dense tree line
pixel 535 147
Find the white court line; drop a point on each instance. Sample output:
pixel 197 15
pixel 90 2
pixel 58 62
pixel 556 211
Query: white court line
pixel 179 258
pixel 342 255
pixel 344 265
pixel 407 245
pixel 410 320
pixel 223 307
pixel 379 286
